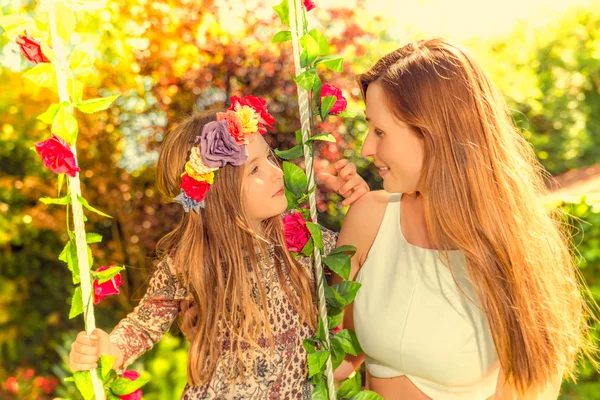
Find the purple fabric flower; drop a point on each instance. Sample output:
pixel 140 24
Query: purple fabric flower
pixel 218 147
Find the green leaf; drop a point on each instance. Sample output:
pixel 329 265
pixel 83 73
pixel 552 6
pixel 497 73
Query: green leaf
pixel 76 303
pixel 321 334
pixel 92 237
pixel 48 115
pixel 316 362
pixel 308 248
pixel 18 22
pixel 83 381
pixel 81 62
pixel 299 136
pixel 282 36
pixel 65 124
pixel 347 290
pixel 340 263
pixel 124 386
pixel 295 179
pixel 43 75
pixel 283 11
pixel 107 274
pixel 366 395
pixel 320 392
pixel 337 353
pixel 61 179
pixel 316 234
pixel 66 17
pixel 326 103
pixel 111 396
pixel 321 42
pixel 307 79
pixel 75 90
pixel 350 386
pixel 348 114
pixel 106 364
pixel 333 298
pixel 291 154
pixel 334 317
pixel 348 341
pixel 317 87
pixel 325 137
pixel 95 105
pixel 292 200
pixel 92 209
pixel 344 249
pixel 310 345
pixel 334 63
pixel 61 201
pixel 69 255
pixel 310 50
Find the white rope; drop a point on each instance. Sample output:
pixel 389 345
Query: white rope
pixel 75 189
pixel 296 13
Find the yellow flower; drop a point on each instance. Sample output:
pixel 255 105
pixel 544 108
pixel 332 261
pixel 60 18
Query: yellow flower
pixel 249 119
pixel 208 177
pixel 197 164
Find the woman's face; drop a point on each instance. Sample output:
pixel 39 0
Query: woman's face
pixel 262 185
pixel 395 148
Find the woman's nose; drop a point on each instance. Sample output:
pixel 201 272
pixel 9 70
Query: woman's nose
pixel 368 147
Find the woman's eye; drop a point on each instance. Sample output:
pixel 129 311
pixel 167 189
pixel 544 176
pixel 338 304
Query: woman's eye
pixel 378 132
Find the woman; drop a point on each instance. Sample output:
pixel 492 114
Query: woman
pixel 469 290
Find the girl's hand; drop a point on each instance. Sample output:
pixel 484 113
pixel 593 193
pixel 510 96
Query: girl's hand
pixel 189 318
pixel 86 350
pixel 347 183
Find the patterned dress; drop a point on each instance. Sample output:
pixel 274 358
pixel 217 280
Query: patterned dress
pixel 281 374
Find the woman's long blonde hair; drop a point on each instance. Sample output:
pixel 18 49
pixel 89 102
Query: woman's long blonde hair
pixel 482 187
pixel 215 256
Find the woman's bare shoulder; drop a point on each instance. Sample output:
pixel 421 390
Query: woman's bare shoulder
pixel 362 221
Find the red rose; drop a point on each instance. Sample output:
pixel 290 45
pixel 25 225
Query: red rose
pixel 235 126
pixel 340 104
pixel 31 49
pixel 57 155
pixel 102 290
pixel 259 105
pixel 194 189
pixel 296 232
pixel 309 5
pixel 132 376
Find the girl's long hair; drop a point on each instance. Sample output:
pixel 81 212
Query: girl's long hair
pixel 483 187
pixel 217 254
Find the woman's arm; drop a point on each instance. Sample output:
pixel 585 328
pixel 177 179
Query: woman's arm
pixel 359 230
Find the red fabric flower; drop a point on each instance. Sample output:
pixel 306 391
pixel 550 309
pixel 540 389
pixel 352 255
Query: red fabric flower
pixel 31 49
pixel 340 104
pixel 102 290
pixel 132 376
pixel 309 5
pixel 296 231
pixel 259 105
pixel 194 189
pixel 57 155
pixel 235 126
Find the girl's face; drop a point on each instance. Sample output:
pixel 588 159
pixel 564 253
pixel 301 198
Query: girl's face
pixel 395 148
pixel 262 186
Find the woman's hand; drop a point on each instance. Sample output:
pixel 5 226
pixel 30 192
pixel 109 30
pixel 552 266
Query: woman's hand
pixel 346 182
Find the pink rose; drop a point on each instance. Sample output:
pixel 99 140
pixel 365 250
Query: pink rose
pixel 340 104
pixel 259 105
pixel 296 232
pixel 31 49
pixel 132 376
pixel 57 155
pixel 102 290
pixel 309 5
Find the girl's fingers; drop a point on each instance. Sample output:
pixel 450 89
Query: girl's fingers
pixel 82 367
pixel 83 349
pixel 85 359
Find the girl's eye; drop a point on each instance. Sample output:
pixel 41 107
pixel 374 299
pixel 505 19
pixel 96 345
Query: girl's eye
pixel 254 170
pixel 378 132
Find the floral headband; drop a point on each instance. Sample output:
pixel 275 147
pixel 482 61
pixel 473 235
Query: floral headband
pixel 221 142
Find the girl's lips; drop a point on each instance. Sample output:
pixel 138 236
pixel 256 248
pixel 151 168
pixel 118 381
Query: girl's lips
pixel 279 193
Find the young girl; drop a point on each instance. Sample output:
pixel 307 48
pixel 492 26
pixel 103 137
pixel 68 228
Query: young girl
pixel 228 256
